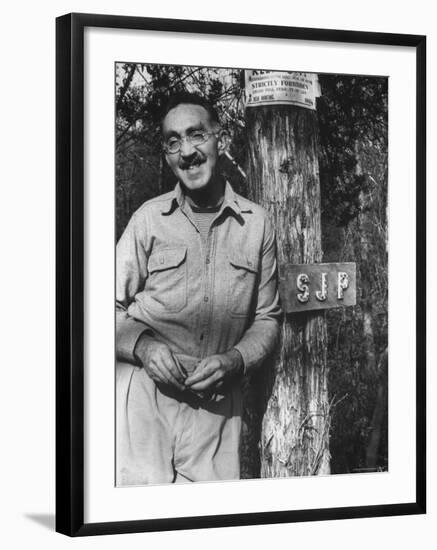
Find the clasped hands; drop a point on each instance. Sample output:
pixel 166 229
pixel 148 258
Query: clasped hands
pixel 210 375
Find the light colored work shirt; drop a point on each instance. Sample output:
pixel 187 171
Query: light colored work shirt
pixel 199 300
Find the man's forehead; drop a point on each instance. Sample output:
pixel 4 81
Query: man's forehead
pixel 186 116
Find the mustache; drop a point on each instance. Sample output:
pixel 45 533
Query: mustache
pixel 186 163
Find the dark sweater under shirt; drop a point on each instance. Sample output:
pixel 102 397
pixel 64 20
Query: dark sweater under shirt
pixel 203 218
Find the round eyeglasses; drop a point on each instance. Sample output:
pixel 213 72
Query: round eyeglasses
pixel 196 138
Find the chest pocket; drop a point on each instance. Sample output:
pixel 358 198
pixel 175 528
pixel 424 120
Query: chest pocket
pixel 166 284
pixel 241 283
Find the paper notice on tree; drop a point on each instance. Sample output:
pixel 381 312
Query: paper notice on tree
pixel 273 88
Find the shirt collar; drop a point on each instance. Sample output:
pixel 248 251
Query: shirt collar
pixel 177 198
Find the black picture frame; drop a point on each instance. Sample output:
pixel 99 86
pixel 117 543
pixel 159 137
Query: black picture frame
pixel 70 273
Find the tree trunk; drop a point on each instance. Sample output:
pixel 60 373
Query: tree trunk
pixel 379 414
pixel 283 177
pixel 363 225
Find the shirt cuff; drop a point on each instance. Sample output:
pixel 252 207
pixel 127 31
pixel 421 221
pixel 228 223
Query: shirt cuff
pixel 128 333
pixel 257 344
pixel 242 371
pixel 246 354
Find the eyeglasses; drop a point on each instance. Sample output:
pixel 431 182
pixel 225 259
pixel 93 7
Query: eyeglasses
pixel 196 138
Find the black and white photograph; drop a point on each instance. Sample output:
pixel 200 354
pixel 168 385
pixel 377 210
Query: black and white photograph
pixel 240 274
pixel 251 276
pixel 215 275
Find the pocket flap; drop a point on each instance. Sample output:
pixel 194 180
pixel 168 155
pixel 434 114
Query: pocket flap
pixel 245 261
pixel 166 258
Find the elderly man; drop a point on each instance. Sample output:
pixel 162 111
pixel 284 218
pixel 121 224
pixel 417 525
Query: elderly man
pixel 197 309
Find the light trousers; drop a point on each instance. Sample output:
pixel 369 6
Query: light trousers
pixel 164 435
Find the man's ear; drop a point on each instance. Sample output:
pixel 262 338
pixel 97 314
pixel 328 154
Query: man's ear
pixel 223 141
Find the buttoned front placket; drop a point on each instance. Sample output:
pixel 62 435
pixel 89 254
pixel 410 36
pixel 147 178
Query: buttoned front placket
pixel 209 278
pixel 206 256
pixel 208 302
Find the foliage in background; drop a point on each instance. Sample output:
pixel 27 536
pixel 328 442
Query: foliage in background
pixel 353 174
pixel 352 111
pixel 141 94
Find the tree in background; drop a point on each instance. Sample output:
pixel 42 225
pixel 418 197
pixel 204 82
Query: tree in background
pixel 353 169
pixel 283 143
pixel 352 117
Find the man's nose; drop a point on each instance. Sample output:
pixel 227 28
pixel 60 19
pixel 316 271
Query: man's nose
pixel 187 148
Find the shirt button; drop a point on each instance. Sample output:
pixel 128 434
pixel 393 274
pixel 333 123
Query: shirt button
pixel 249 263
pixel 205 299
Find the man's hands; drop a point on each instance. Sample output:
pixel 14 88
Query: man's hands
pixel 158 362
pixel 210 375
pixel 213 372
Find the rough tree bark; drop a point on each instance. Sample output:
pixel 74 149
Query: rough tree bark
pixel 283 176
pixel 375 368
pixel 379 414
pixel 363 224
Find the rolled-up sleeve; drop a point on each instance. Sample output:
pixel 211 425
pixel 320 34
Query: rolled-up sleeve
pixel 131 273
pixel 262 335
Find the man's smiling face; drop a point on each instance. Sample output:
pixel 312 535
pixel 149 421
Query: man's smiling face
pixel 194 166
